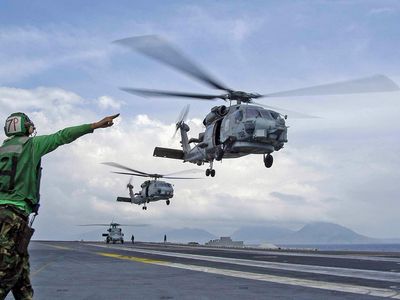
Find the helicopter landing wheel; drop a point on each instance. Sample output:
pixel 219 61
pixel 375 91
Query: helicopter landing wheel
pixel 208 171
pixel 212 173
pixel 168 202
pixel 268 160
pixel 144 207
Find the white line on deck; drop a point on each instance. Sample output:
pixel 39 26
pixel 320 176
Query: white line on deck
pixel 335 271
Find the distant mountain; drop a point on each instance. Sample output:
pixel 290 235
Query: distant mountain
pixel 186 235
pixel 313 233
pixel 260 234
pixel 325 233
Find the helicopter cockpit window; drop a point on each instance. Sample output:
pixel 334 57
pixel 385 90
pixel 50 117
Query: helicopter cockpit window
pixel 266 114
pixel 274 114
pixel 252 113
pixel 238 116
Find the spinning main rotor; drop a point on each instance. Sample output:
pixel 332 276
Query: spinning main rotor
pixel 134 172
pixel 159 49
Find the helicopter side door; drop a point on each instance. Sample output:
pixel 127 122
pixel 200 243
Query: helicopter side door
pixel 209 136
pixel 232 125
pixel 217 133
pixel 145 189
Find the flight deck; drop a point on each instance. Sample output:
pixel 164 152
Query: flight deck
pixel 95 270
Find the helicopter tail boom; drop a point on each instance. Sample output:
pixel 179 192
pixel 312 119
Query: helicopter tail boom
pixel 124 199
pixel 168 153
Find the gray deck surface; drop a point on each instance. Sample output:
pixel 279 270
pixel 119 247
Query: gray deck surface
pixel 90 270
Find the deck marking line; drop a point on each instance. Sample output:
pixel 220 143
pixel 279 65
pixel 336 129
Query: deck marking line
pixel 132 258
pixel 41 268
pixel 332 286
pixel 294 253
pixel 334 271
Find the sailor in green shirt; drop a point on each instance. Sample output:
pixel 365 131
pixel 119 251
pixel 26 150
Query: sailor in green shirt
pixel 20 173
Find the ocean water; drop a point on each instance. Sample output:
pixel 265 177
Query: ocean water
pixel 347 247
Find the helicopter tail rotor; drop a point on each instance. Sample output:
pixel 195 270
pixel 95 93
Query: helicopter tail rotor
pixel 181 119
pixel 129 185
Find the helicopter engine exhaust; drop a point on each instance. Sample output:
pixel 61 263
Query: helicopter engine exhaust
pixel 217 112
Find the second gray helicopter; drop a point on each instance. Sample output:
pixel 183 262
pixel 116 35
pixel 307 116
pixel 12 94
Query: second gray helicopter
pixel 151 190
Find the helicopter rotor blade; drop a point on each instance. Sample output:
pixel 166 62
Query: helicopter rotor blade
pixel 132 174
pixel 140 175
pixel 135 225
pixel 291 113
pixel 155 176
pixel 190 171
pixel 159 93
pixel 185 113
pixel 173 177
pixel 116 165
pixel 138 225
pixel 155 47
pixel 94 224
pixel 129 185
pixel 181 118
pixel 372 84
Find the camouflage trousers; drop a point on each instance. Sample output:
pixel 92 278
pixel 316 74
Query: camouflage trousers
pixel 14 267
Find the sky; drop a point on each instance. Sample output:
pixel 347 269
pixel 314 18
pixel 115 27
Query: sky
pixel 59 65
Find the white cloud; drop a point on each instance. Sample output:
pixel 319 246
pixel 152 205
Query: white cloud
pixel 106 102
pixel 382 11
pixel 77 188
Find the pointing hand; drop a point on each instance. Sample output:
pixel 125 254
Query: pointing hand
pixel 104 123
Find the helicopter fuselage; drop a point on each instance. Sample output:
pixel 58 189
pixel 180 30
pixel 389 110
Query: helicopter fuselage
pixel 152 190
pixel 232 132
pixel 114 234
pixel 239 130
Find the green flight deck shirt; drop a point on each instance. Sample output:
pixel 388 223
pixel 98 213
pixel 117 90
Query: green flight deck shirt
pixel 24 193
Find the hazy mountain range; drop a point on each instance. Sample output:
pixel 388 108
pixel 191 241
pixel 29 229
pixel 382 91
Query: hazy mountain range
pixel 313 233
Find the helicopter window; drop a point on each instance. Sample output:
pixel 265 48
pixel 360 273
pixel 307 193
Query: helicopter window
pixel 266 114
pixel 238 116
pixel 252 113
pixel 274 114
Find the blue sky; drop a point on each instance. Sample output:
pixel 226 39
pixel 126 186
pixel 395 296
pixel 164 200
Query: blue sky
pixel 257 45
pixel 58 63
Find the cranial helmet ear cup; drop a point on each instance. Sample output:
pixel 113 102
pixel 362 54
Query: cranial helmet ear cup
pixel 17 124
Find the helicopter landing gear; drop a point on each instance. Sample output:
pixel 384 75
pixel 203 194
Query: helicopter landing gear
pixel 168 202
pixel 219 153
pixel 268 160
pixel 210 171
pixel 144 207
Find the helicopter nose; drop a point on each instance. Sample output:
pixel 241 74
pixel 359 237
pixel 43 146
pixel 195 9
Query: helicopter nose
pixel 270 130
pixel 166 191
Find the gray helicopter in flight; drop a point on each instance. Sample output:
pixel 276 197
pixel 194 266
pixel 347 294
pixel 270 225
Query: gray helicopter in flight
pixel 151 190
pixel 114 232
pixel 240 128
